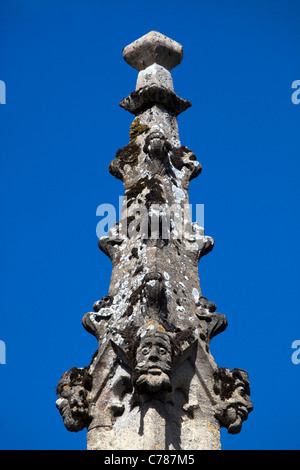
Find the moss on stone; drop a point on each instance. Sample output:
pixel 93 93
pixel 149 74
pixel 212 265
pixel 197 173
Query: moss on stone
pixel 129 153
pixel 126 155
pixel 177 155
pixel 135 190
pixel 137 128
pixel 154 196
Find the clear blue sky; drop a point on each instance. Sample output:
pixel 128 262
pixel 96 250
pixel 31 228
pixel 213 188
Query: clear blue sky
pixel 60 128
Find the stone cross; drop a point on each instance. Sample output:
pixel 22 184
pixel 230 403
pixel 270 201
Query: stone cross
pixel 153 383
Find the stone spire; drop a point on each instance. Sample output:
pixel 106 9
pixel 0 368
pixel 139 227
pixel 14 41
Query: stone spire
pixel 153 383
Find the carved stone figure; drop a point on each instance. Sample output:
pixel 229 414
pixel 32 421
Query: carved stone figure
pixel 153 363
pixel 72 403
pixel 156 145
pixel 232 386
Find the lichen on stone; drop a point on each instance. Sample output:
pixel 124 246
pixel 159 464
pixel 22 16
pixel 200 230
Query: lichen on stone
pixel 151 95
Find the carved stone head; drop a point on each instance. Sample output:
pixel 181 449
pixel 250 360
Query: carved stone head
pixel 233 388
pixel 153 363
pixel 72 403
pixel 156 145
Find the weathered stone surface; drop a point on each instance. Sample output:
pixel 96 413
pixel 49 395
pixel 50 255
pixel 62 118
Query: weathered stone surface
pixel 153 48
pixel 155 75
pixel 153 383
pixel 232 387
pixel 154 95
pixel 72 402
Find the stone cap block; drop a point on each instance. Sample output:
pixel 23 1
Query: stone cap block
pixel 153 48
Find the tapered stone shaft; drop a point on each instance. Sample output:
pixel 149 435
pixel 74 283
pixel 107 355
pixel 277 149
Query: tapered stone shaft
pixel 153 383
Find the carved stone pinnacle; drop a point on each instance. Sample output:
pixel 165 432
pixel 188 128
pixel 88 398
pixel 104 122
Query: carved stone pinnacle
pixel 153 383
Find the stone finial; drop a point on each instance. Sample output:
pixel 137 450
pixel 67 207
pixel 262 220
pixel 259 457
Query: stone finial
pixel 153 48
pixel 154 55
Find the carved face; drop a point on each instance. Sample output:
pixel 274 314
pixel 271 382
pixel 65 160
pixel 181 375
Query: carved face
pixel 242 405
pixel 72 400
pixel 233 388
pixel 153 363
pixel 156 145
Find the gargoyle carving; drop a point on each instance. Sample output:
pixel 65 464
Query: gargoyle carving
pixel 232 387
pixel 153 359
pixel 156 146
pixel 72 403
pixel 153 363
